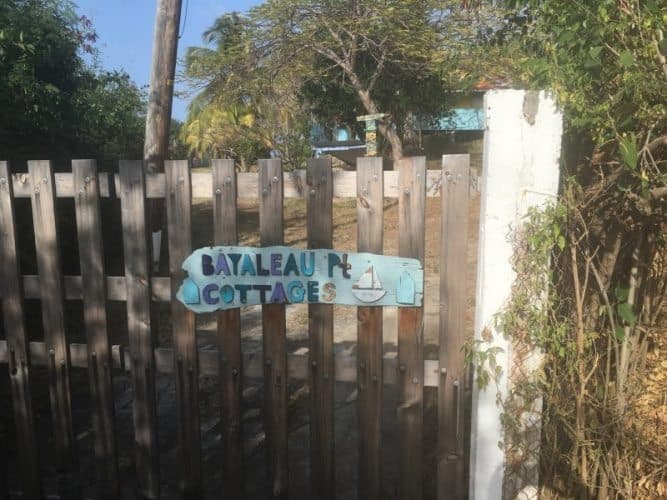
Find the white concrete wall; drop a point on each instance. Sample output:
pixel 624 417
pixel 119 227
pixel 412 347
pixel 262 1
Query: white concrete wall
pixel 522 145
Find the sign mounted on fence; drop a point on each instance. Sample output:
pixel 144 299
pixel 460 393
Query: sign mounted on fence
pixel 225 277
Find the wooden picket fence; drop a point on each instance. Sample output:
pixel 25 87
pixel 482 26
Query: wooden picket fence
pixel 411 183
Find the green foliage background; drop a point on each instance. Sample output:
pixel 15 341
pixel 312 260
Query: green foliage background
pixel 53 103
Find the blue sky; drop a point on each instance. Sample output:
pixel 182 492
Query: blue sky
pixel 125 33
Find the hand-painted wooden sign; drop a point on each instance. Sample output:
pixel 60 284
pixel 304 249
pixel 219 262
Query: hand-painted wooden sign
pixel 226 277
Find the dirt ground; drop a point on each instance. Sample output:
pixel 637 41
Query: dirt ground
pixel 345 230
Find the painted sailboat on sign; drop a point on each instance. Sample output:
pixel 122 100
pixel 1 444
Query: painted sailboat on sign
pixel 369 288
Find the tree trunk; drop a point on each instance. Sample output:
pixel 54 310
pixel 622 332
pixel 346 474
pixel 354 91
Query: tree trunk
pixel 163 68
pixel 385 128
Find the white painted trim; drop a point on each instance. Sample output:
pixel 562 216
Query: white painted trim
pixel 521 166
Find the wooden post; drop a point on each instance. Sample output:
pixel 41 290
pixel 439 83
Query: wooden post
pixel 158 114
pixel 91 254
pixel 273 333
pixel 142 342
pixel 11 287
pixel 321 374
pixel 186 363
pixel 411 224
pixel 229 335
pixel 453 268
pixel 370 217
pixel 53 316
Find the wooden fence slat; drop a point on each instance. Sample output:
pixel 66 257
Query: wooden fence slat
pixel 137 276
pixel 274 333
pixel 454 241
pixel 370 218
pixel 17 342
pixel 53 316
pixel 229 335
pixel 411 231
pixel 186 365
pixel 320 332
pixel 91 254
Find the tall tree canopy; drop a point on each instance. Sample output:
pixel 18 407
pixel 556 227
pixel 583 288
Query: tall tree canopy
pixel 336 60
pixel 54 104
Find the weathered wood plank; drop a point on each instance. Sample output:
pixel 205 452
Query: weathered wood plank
pixel 53 316
pixel 186 365
pixel 274 333
pixel 142 343
pixel 91 255
pixel 370 219
pixel 320 332
pixel 64 184
pixel 247 182
pixel 294 183
pixel 116 288
pixel 345 366
pixel 17 342
pixel 229 335
pixel 454 234
pixel 411 231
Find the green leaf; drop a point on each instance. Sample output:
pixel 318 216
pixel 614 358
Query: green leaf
pixel 561 242
pixel 625 311
pixel 626 58
pixel 619 333
pixel 622 293
pixel 628 150
pixel 595 52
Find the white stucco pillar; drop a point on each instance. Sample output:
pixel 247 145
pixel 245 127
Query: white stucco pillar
pixel 522 144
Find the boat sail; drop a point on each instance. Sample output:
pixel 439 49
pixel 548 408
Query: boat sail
pixel 368 288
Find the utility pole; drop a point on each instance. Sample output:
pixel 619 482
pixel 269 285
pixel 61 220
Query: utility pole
pixel 161 93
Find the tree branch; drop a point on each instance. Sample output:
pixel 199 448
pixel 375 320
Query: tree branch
pixel 656 143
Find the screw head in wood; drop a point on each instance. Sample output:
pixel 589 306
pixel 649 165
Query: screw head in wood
pixel 235 371
pixel 3 181
pixel 228 180
pixel 275 179
pixel 415 380
pixel 86 179
pixel 218 191
pixel 45 180
pixel 406 191
pixel 265 191
pixel 312 192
